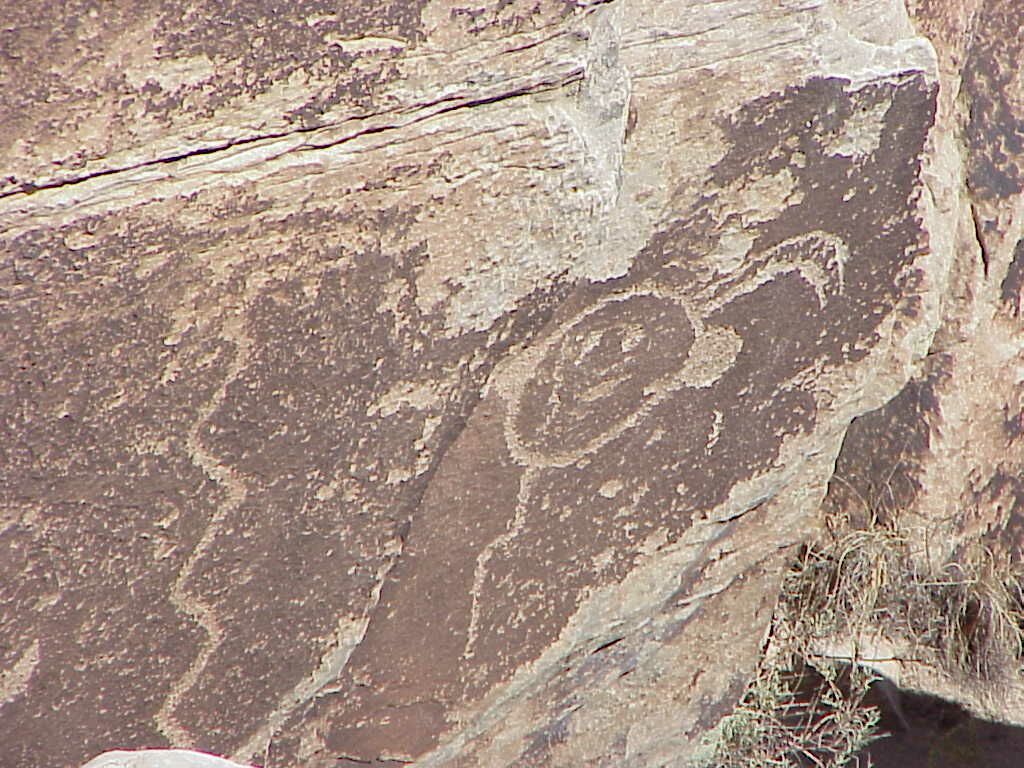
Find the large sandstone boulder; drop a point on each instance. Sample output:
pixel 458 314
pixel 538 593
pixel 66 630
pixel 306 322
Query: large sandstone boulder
pixel 945 457
pixel 449 382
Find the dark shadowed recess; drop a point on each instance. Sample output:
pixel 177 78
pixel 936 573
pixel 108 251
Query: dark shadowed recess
pixel 928 732
pixel 914 730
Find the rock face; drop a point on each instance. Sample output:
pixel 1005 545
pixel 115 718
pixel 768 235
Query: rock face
pixel 947 453
pixel 445 382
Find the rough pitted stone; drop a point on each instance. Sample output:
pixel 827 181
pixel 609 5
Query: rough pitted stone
pixel 946 455
pixel 948 445
pixel 446 381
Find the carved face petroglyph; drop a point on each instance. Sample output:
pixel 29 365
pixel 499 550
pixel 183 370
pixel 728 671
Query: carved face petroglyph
pixel 585 391
pixel 607 367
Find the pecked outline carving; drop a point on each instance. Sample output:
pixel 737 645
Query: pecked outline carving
pixel 710 355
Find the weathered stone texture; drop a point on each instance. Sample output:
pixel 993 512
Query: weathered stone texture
pixel 446 382
pixel 953 432
pixel 947 453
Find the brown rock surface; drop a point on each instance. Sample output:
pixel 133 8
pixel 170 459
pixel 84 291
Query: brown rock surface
pixel 946 455
pixel 446 381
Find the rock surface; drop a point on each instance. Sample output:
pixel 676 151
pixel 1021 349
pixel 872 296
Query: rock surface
pixel 946 455
pixel 447 381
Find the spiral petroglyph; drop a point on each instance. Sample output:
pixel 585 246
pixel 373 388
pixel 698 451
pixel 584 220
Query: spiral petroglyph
pixel 584 390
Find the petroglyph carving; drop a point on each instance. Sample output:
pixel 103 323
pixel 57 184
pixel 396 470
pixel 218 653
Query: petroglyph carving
pixel 584 390
pixel 407 346
pixel 819 257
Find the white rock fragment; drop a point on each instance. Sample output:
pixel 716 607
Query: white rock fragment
pixel 159 758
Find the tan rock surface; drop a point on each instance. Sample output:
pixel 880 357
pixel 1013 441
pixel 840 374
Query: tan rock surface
pixel 445 381
pixel 946 456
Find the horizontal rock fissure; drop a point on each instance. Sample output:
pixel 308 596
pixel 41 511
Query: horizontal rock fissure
pixel 550 84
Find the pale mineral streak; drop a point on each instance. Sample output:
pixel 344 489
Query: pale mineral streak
pixel 159 758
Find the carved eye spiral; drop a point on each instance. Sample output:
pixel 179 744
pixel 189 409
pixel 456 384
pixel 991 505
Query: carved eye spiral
pixel 602 371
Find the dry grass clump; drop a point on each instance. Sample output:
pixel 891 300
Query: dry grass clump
pixel 794 714
pixel 966 615
pixel 803 709
pixel 982 629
